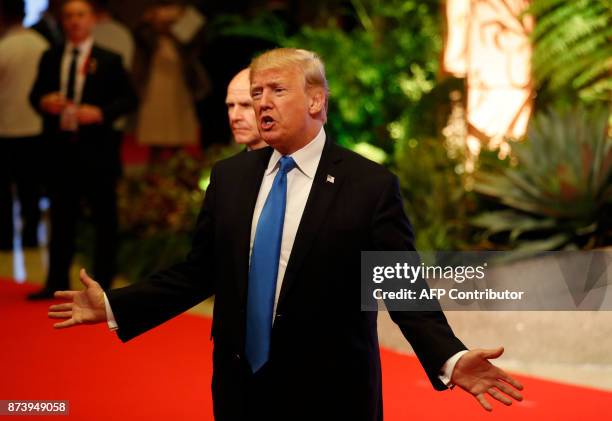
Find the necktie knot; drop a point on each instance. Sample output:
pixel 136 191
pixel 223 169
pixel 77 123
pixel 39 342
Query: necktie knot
pixel 286 164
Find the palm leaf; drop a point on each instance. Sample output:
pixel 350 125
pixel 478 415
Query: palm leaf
pixel 510 221
pixel 531 248
pixel 572 46
pixel 539 7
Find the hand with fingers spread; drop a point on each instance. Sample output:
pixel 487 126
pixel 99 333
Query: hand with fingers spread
pixel 476 375
pixel 86 306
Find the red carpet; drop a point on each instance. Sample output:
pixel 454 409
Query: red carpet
pixel 166 374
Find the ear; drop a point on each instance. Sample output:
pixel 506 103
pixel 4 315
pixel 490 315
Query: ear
pixel 316 100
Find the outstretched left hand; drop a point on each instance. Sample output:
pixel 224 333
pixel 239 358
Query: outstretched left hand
pixel 477 376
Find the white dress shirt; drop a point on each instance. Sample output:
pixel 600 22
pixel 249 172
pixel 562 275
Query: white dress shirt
pixel 81 72
pixel 299 183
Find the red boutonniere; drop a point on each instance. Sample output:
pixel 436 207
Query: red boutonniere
pixel 90 66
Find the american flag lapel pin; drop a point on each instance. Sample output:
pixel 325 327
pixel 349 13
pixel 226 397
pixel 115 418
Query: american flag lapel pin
pixel 330 179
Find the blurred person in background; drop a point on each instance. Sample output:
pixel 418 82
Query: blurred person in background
pixel 49 25
pixel 241 113
pixel 169 78
pixel 20 125
pixel 80 91
pixel 111 34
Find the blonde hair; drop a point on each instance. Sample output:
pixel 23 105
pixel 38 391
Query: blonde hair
pixel 308 62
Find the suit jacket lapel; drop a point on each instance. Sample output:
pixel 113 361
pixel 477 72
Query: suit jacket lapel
pixel 321 196
pixel 250 181
pixel 57 66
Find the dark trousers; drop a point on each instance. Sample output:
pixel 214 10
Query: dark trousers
pixel 20 164
pixel 77 182
pixel 243 395
pixel 275 394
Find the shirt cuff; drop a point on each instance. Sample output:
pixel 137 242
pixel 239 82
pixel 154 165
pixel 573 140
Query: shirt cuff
pixel 446 372
pixel 110 317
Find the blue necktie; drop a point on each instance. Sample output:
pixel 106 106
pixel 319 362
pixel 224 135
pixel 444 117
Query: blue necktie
pixel 264 269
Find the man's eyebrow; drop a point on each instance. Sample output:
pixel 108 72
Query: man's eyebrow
pixel 274 82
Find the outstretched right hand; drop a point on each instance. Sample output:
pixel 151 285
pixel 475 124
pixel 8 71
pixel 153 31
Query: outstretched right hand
pixel 86 306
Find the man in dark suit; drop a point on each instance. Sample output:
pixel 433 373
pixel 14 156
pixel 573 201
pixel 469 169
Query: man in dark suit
pixel 278 242
pixel 80 91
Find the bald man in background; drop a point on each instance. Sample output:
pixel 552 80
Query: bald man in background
pixel 241 113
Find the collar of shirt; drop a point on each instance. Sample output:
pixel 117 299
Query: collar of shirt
pixel 84 47
pixel 306 159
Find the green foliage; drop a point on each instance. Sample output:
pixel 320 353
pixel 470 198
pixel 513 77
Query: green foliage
pixel 264 26
pixel 379 72
pixel 573 47
pixel 158 207
pixel 560 193
pixel 435 200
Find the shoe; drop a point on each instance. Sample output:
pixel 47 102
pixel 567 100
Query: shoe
pixel 43 294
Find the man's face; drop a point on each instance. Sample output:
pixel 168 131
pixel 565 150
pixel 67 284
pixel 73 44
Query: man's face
pixel 281 107
pixel 78 20
pixel 241 113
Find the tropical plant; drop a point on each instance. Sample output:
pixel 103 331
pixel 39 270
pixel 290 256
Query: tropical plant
pixel 559 195
pixel 158 206
pixel 434 197
pixel 263 26
pixel 572 42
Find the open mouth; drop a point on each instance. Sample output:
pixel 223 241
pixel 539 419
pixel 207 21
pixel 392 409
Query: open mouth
pixel 267 122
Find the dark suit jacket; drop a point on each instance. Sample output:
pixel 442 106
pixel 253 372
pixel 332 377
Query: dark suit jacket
pixel 107 86
pixel 324 361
